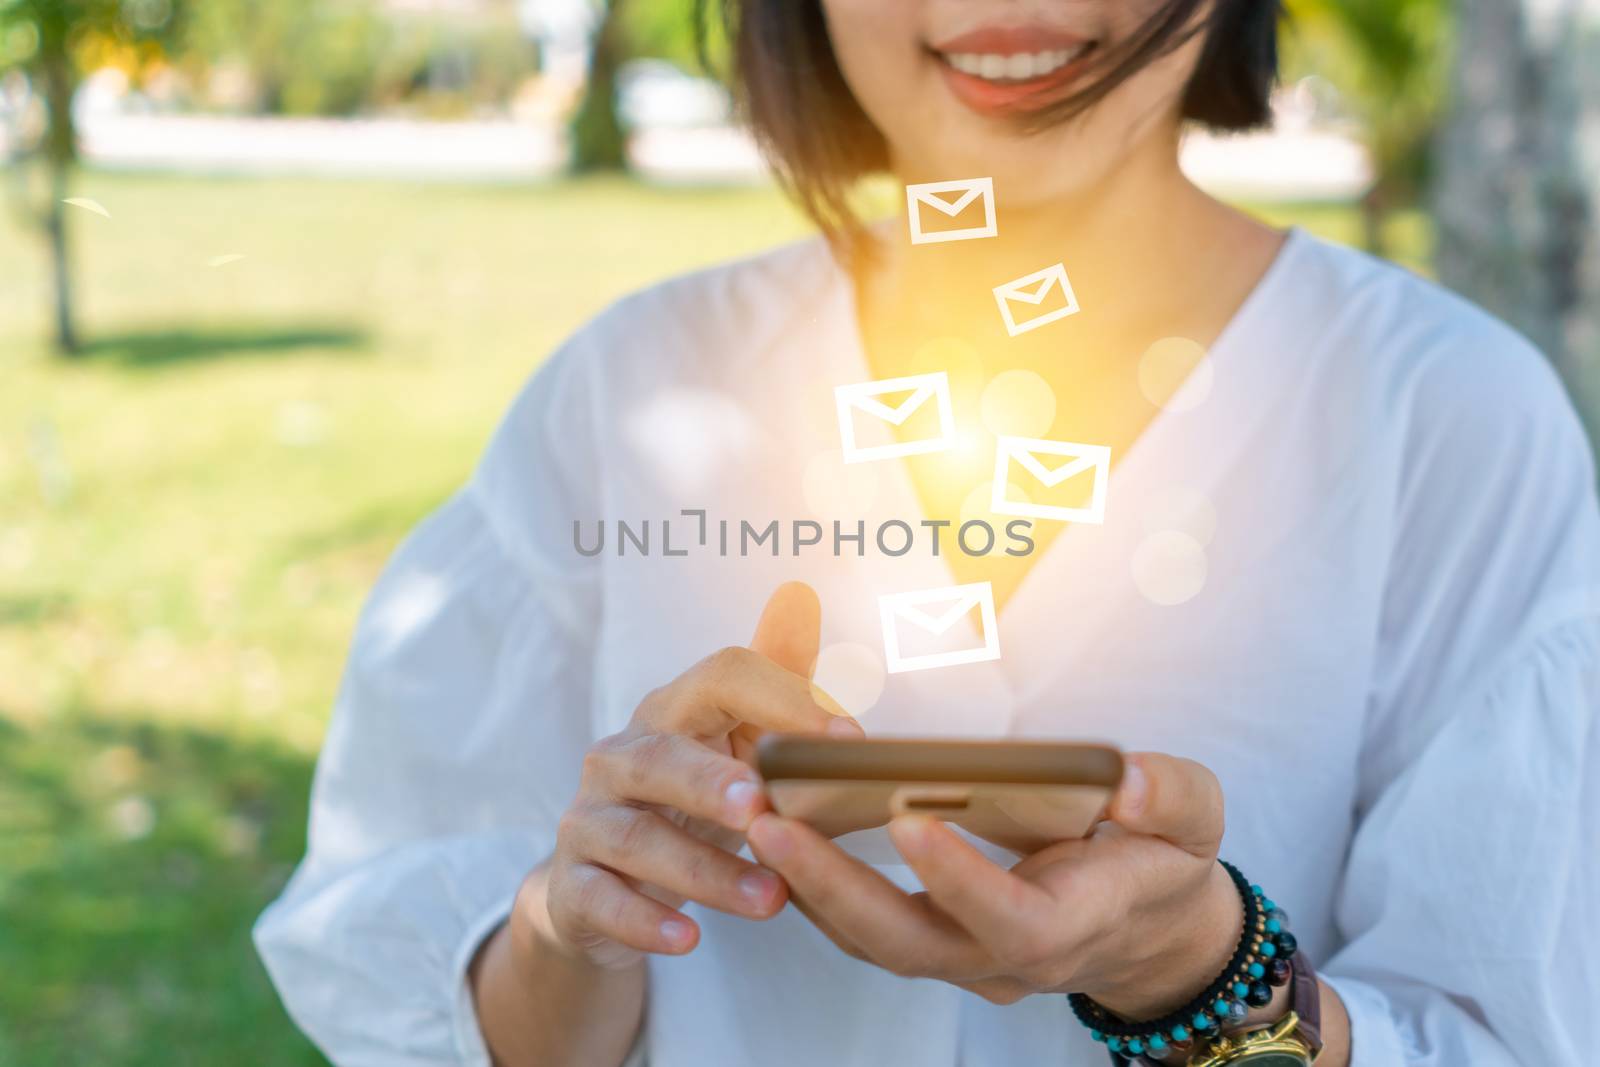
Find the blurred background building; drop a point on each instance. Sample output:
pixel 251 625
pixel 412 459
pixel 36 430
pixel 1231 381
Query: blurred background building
pixel 271 269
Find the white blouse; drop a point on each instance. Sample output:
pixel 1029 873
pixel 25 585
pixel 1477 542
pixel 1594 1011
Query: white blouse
pixel 1393 665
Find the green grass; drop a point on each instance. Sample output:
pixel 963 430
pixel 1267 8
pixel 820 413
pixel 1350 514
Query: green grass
pixel 190 516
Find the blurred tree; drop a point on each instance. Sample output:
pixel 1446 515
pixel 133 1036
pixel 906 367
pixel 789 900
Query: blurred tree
pixel 1517 196
pixel 60 40
pixel 681 31
pixel 1389 59
pixel 598 139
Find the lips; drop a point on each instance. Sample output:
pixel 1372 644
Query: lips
pixel 1001 70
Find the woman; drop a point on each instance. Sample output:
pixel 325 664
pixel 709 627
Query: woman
pixel 1347 576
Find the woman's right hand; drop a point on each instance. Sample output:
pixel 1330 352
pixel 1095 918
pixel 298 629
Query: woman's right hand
pixel 663 805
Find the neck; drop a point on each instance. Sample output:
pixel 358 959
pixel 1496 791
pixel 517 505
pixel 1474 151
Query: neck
pixel 1133 244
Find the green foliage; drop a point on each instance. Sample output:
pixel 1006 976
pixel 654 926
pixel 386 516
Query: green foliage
pixel 312 57
pixel 1390 61
pixel 675 30
pixel 56 42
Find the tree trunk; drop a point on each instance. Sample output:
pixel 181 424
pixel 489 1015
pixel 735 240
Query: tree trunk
pixel 1519 177
pixel 61 261
pixel 60 150
pixel 598 140
pixel 1375 218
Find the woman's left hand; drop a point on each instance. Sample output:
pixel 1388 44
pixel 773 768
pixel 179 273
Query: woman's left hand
pixel 1139 915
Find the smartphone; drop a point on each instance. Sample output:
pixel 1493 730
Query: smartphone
pixel 1020 795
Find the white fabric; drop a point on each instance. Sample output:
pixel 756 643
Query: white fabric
pixel 1393 667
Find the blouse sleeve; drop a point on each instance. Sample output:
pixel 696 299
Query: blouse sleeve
pixel 1467 912
pixel 453 749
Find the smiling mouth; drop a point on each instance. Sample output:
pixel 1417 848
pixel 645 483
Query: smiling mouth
pixel 1000 73
pixel 1017 68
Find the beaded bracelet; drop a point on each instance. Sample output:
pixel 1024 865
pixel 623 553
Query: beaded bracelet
pixel 1259 963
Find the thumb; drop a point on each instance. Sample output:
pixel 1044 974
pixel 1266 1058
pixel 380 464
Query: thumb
pixel 789 634
pixel 1172 798
pixel 790 629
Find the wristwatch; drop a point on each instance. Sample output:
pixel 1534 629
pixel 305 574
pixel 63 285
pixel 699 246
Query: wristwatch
pixel 1276 1045
pixel 1293 1041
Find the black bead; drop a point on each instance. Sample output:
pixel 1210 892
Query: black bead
pixel 1260 995
pixel 1278 974
pixel 1286 944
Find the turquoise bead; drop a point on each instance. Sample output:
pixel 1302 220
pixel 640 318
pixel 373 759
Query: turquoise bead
pixel 1267 905
pixel 1257 891
pixel 1097 1035
pixel 1180 1033
pixel 1135 1046
pixel 1202 1021
pixel 1240 989
pixel 1256 970
pixel 1220 1007
pixel 1158 1044
pixel 1268 949
pixel 1114 1044
pixel 1274 926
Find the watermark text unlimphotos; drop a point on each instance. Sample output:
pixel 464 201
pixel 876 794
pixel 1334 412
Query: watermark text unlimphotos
pixel 693 532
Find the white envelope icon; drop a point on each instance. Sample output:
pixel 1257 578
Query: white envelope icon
pixel 863 398
pixel 936 612
pixel 941 209
pixel 1075 460
pixel 1034 289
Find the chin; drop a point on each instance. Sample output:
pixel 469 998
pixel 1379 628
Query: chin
pixel 1028 169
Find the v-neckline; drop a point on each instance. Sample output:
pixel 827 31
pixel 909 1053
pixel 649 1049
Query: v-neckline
pixel 850 365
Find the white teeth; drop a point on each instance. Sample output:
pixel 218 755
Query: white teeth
pixel 1018 66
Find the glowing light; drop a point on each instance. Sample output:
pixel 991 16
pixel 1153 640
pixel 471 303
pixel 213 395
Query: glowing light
pixel 1183 509
pixel 1175 373
pixel 978 507
pixel 1169 568
pixel 835 489
pixel 852 674
pixel 88 205
pixel 1018 403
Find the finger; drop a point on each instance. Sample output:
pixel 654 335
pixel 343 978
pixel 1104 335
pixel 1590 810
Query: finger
pixel 679 772
pixel 790 630
pixel 1172 798
pixel 646 846
pixel 1007 915
pixel 590 904
pixel 738 685
pixel 842 943
pixel 858 904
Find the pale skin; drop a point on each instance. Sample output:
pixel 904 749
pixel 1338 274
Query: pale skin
pixel 1138 915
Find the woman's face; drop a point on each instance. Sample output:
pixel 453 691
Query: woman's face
pixel 946 79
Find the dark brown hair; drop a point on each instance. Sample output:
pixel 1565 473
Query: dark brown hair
pixel 820 142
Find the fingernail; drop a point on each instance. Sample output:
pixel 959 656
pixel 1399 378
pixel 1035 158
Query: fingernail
pixel 740 800
pixel 676 932
pixel 758 887
pixel 844 727
pixel 1133 787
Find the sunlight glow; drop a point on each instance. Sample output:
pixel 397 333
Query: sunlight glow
pixel 1018 403
pixel 852 674
pixel 1169 568
pixel 1176 374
